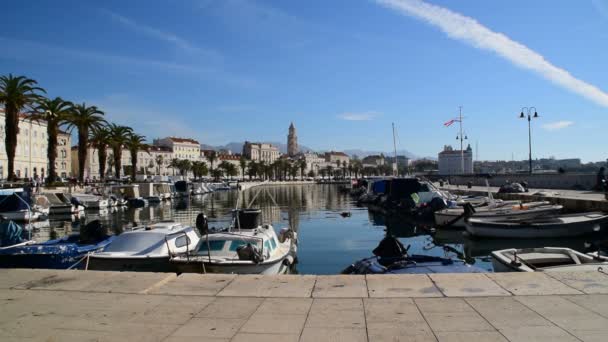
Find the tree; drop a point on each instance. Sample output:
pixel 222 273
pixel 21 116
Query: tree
pixel 159 162
pixel 84 118
pixel 54 112
pixel 199 169
pixel 118 139
pixel 330 169
pixel 302 166
pixel 252 171
pixel 174 164
pixel 226 167
pixel 17 94
pixel 100 138
pixel 243 164
pixel 344 165
pixel 134 144
pixel 184 166
pixel 212 157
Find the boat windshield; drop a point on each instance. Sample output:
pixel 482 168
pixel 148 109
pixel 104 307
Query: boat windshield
pixel 226 247
pixel 136 242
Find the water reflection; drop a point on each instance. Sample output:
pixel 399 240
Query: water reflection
pixel 328 242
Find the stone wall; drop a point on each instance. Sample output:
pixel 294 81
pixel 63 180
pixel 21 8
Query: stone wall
pixel 577 181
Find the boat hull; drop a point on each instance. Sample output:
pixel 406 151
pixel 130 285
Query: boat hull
pixel 199 266
pixel 529 232
pixel 126 264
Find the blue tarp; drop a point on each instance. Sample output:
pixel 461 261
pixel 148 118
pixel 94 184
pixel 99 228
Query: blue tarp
pixel 10 234
pixel 379 187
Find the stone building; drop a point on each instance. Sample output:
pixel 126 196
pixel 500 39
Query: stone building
pixel 450 161
pixel 31 155
pixel 335 157
pixel 260 152
pixel 292 141
pixel 182 148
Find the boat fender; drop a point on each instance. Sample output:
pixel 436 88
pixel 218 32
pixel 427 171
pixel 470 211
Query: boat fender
pixel 288 261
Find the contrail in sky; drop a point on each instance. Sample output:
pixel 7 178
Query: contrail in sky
pixel 468 30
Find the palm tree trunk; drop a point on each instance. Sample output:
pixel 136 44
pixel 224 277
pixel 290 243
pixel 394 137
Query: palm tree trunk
pixel 10 141
pixel 133 164
pixel 82 152
pixel 117 161
pixel 52 149
pixel 102 157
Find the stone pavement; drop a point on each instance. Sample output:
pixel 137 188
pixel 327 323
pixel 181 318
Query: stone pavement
pixel 45 305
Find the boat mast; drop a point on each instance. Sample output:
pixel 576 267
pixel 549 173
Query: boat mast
pixel 395 166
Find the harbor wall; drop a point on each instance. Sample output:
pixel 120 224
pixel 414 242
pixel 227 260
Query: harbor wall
pixel 574 181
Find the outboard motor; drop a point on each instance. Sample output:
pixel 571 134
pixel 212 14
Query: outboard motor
pixel 202 224
pixel 389 249
pixel 93 232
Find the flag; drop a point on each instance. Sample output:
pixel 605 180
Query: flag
pixel 449 123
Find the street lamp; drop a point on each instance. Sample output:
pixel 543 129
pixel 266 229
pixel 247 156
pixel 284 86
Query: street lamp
pixel 528 111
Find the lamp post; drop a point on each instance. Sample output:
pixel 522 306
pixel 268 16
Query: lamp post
pixel 528 111
pixel 461 137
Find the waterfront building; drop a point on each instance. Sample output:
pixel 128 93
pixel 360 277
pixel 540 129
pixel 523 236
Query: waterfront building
pixel 450 161
pixel 373 161
pixel 234 159
pixel 292 141
pixel 314 162
pixel 182 148
pixel 31 155
pixel 333 158
pixel 260 152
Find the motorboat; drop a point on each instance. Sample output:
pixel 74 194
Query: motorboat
pixel 16 205
pixel 455 216
pixel 182 189
pixel 248 247
pixel 117 201
pixel 545 259
pixel 59 204
pixel 66 252
pixel 536 227
pixel 391 257
pixel 146 249
pixel 89 201
pixel 162 190
pixel 147 192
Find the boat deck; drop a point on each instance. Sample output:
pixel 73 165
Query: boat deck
pixel 45 305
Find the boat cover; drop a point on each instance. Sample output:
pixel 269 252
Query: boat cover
pixel 10 234
pixel 14 202
pixel 413 264
pixel 379 187
pixel 181 186
pixel 401 188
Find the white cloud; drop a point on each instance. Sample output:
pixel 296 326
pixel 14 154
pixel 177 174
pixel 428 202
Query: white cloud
pixel 468 30
pixel 366 116
pixel 557 125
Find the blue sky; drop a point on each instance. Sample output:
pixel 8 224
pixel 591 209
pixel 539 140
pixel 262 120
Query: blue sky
pixel 341 70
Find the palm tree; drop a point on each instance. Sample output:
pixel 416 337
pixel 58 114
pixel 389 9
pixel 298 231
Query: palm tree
pixel 185 165
pixel 302 166
pixel 243 164
pixel 100 138
pixel 174 164
pixel 17 94
pixel 118 139
pixel 84 118
pixel 159 162
pixel 54 112
pixel 199 169
pixel 344 164
pixel 134 144
pixel 212 157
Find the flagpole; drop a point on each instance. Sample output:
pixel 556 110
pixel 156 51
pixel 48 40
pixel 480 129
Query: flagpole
pixel 461 141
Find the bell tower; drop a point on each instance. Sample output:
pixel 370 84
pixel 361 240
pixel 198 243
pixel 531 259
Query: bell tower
pixel 292 141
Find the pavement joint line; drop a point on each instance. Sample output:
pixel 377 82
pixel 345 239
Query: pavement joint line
pixel 511 294
pixel 314 285
pixel 225 286
pixel 249 317
pixel 179 326
pixel 485 319
pixel 565 297
pixel 424 318
pixel 308 315
pixel 158 284
pixel 365 317
pixel 548 274
pixel 437 287
pixel 547 318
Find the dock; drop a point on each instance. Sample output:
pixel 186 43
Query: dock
pixel 50 305
pixel 572 200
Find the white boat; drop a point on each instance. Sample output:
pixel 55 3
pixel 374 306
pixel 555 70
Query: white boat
pixel 454 217
pixel 59 203
pixel 91 201
pixel 16 205
pixel 147 249
pixel 545 259
pixel 252 249
pixel 540 227
pixel 162 190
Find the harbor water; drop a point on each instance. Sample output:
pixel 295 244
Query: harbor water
pixel 333 231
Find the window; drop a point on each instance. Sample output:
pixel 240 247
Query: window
pixel 216 245
pixel 274 243
pixel 182 241
pixel 267 246
pixel 236 244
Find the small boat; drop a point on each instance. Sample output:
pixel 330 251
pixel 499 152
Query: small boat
pixel 66 252
pixel 146 249
pixel 545 259
pixel 539 227
pixel 16 205
pixel 248 248
pixel 59 204
pixel 390 257
pixel 455 217
pixel 90 201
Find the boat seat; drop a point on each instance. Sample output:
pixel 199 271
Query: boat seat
pixel 542 258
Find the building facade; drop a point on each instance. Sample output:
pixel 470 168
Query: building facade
pixel 260 152
pixel 335 157
pixel 31 155
pixel 292 141
pixel 450 161
pixel 182 148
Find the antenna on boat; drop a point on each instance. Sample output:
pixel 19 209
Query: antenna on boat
pixel 395 167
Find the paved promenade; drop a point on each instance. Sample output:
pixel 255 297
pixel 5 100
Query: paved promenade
pixel 43 305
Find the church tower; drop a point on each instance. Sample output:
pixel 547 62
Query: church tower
pixel 292 141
